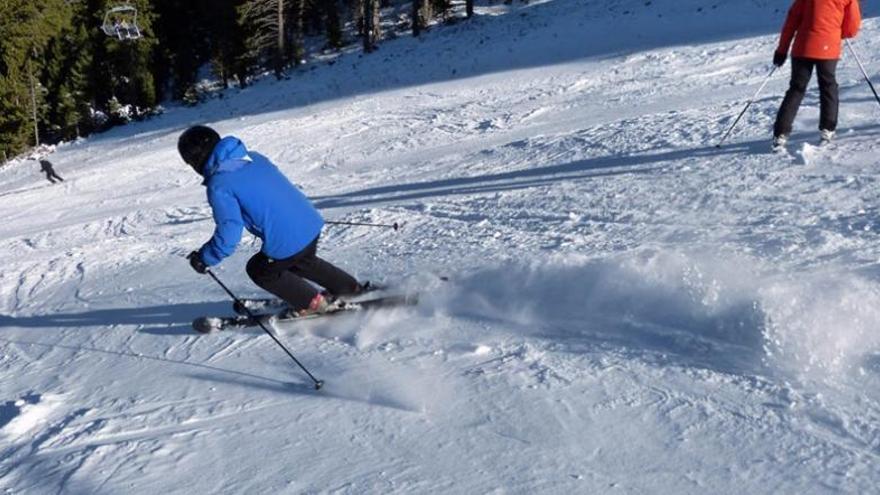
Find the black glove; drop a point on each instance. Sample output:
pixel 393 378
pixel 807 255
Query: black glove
pixel 779 58
pixel 195 261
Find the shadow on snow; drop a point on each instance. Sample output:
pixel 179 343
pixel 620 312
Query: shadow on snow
pixel 591 168
pixel 159 320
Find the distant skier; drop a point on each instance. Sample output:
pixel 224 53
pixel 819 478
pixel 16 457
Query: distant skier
pixel 246 190
pixel 817 27
pixel 46 166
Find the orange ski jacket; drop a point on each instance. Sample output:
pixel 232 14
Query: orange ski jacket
pixel 819 26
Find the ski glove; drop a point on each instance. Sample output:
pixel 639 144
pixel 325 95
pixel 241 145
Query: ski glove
pixel 779 58
pixel 195 261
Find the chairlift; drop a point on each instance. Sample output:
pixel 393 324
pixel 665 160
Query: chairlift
pixel 121 22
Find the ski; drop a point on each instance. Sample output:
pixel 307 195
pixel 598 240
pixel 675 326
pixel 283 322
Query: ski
pixel 210 324
pixel 257 305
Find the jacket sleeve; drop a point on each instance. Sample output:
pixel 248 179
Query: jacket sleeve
pixel 852 19
pixel 228 229
pixel 792 21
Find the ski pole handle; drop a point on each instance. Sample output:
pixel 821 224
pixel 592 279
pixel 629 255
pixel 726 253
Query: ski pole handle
pixel 395 225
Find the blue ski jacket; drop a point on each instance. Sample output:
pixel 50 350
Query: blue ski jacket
pixel 246 190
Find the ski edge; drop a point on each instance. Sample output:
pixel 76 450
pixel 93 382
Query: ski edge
pixel 214 324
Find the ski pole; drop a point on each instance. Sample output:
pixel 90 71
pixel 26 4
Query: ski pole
pixel 395 225
pixel 766 80
pixel 318 383
pixel 862 67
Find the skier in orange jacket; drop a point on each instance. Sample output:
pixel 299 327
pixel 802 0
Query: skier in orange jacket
pixel 817 28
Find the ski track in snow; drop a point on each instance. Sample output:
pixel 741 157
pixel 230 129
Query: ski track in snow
pixel 629 309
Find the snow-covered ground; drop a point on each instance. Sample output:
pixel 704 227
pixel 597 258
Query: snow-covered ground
pixel 630 309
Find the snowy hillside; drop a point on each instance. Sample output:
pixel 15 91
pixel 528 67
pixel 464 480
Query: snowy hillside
pixel 629 309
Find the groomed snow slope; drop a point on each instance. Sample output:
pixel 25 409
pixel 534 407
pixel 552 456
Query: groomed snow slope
pixel 630 309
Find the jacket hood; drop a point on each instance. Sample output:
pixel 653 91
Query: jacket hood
pixel 229 155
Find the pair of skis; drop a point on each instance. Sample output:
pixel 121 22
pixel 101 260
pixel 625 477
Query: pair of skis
pixel 270 311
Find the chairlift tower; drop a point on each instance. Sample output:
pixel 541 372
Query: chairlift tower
pixel 121 22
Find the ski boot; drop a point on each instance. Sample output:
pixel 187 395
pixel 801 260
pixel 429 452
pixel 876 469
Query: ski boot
pixel 825 137
pixel 779 143
pixel 322 303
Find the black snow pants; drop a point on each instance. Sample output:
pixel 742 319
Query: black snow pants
pixel 287 278
pixel 801 72
pixel 51 176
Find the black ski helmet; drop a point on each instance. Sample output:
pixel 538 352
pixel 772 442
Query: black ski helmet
pixel 196 145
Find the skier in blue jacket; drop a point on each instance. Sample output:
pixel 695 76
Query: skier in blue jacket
pixel 247 191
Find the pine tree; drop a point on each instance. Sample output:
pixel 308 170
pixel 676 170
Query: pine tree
pixel 120 70
pixel 227 39
pixel 332 22
pixel 59 72
pixel 65 76
pixel 442 7
pixel 297 29
pixel 421 15
pixel 27 28
pixel 371 31
pixel 264 23
pixel 183 28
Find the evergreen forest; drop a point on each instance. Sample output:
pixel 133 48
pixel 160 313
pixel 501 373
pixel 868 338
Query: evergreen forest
pixel 69 68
